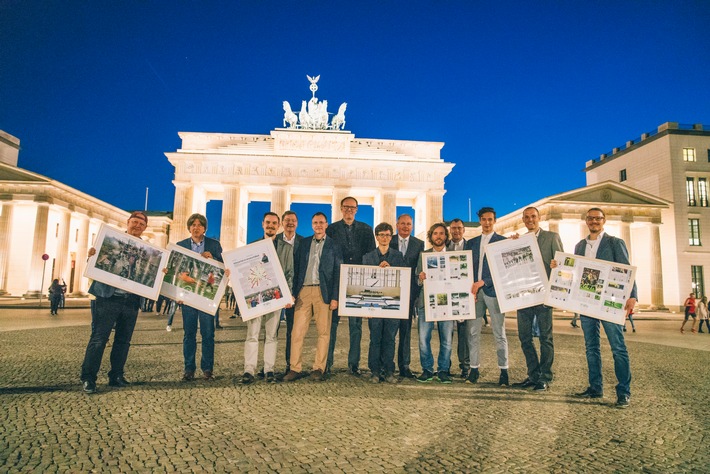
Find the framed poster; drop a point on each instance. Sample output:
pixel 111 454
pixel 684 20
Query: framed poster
pixel 258 280
pixel 518 272
pixel 595 288
pixel 371 291
pixel 196 281
pixel 447 287
pixel 127 262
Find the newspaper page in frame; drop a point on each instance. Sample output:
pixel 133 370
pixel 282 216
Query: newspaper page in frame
pixel 595 288
pixel 518 272
pixel 371 291
pixel 127 263
pixel 447 287
pixel 257 278
pixel 197 281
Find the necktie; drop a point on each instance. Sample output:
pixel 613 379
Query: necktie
pixel 403 246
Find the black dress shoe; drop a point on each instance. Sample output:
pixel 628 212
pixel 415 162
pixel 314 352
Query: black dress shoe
pixel 527 383
pixel 188 376
pixel 118 382
pixel 589 393
pixel 247 378
pixel 540 387
pixel 355 371
pixel 406 373
pixel 89 386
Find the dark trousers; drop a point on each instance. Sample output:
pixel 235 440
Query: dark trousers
pixel 404 348
pixel 54 303
pixel 355 326
pixel 109 312
pixel 289 328
pixel 381 353
pixel 539 368
pixel 462 346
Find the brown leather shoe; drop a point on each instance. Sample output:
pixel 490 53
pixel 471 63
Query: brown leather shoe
pixel 317 376
pixel 292 376
pixel 208 375
pixel 188 376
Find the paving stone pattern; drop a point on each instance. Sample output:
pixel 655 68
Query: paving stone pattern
pixel 345 424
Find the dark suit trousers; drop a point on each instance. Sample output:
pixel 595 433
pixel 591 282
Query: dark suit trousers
pixel 539 368
pixel 109 312
pixel 289 328
pixel 355 326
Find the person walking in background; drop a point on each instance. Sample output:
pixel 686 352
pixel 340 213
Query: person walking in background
pixel 689 313
pixel 630 317
pixel 55 296
pixel 702 310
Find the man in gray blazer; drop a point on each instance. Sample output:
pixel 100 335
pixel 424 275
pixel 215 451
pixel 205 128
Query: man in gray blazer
pixel 539 368
pixel 457 242
pixel 289 221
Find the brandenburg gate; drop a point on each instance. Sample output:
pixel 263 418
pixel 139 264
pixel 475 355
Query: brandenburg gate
pixel 312 159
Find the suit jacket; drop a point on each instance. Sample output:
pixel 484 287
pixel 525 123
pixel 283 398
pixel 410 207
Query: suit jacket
pixel 211 245
pixel 296 240
pixel 415 247
pixel 363 240
pixel 611 249
pixel 331 258
pixel 284 251
pixel 475 246
pixel 549 243
pixel 394 258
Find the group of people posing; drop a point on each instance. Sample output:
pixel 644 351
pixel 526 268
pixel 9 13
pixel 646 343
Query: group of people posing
pixel 311 266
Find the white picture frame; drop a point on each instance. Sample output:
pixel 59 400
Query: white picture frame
pixel 257 279
pixel 127 263
pixel 518 272
pixel 447 286
pixel 595 288
pixel 371 291
pixel 197 281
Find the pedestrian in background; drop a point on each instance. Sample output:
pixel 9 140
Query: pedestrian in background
pixel 689 313
pixel 703 314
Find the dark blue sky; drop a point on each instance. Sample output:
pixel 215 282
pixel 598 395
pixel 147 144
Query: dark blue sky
pixel 522 93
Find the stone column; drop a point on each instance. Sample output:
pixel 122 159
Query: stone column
pixel 5 239
pixel 230 217
pixel 553 225
pixel 242 217
pixel 82 247
pixel 338 195
pixel 279 199
pixel 181 211
pixel 61 267
pixel 38 249
pixel 656 268
pixel 434 207
pixel 626 236
pixel 386 211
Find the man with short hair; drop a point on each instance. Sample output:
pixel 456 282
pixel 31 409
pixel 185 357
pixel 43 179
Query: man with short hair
pixel 270 223
pixel 457 243
pixel 437 236
pixel 603 246
pixel 289 221
pixel 111 308
pixel 484 293
pixel 315 289
pixel 355 239
pixel 208 248
pixel 411 248
pixel 539 368
pixel 383 331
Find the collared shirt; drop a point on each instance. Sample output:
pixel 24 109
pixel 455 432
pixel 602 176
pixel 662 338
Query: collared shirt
pixel 403 243
pixel 590 250
pixel 291 241
pixel 383 256
pixel 199 248
pixel 537 232
pixel 312 275
pixel 485 238
pixel 458 245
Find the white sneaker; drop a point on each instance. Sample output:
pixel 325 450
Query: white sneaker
pixel 169 328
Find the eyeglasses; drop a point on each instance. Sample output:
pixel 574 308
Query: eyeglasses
pixel 595 218
pixel 348 208
pixel 389 236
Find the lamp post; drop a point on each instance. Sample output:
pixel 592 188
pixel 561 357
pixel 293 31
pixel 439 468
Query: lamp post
pixel 45 257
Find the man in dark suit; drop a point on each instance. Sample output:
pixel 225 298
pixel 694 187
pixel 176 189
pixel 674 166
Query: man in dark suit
pixel 112 308
pixel 484 294
pixel 315 289
pixel 539 368
pixel 289 221
pixel 602 246
pixel 208 248
pixel 412 248
pixel 355 239
pixel 457 242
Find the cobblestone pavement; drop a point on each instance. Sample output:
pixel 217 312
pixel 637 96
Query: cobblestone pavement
pixel 159 424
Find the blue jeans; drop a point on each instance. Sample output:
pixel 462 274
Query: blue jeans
pixel 190 317
pixel 446 333
pixel 380 357
pixel 615 335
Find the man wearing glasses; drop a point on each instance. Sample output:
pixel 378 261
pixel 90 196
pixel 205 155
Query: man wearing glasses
pixel 602 246
pixel 383 331
pixel 355 239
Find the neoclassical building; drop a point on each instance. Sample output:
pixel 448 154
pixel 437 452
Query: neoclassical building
pixel 40 216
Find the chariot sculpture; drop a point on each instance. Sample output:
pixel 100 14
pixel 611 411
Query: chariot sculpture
pixel 314 113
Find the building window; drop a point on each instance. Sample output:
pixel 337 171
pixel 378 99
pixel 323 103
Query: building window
pixel 688 154
pixel 698 283
pixel 690 191
pixel 703 191
pixel 622 175
pixel 694 231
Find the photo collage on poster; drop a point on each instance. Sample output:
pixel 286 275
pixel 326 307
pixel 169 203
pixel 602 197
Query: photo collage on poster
pixel 447 287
